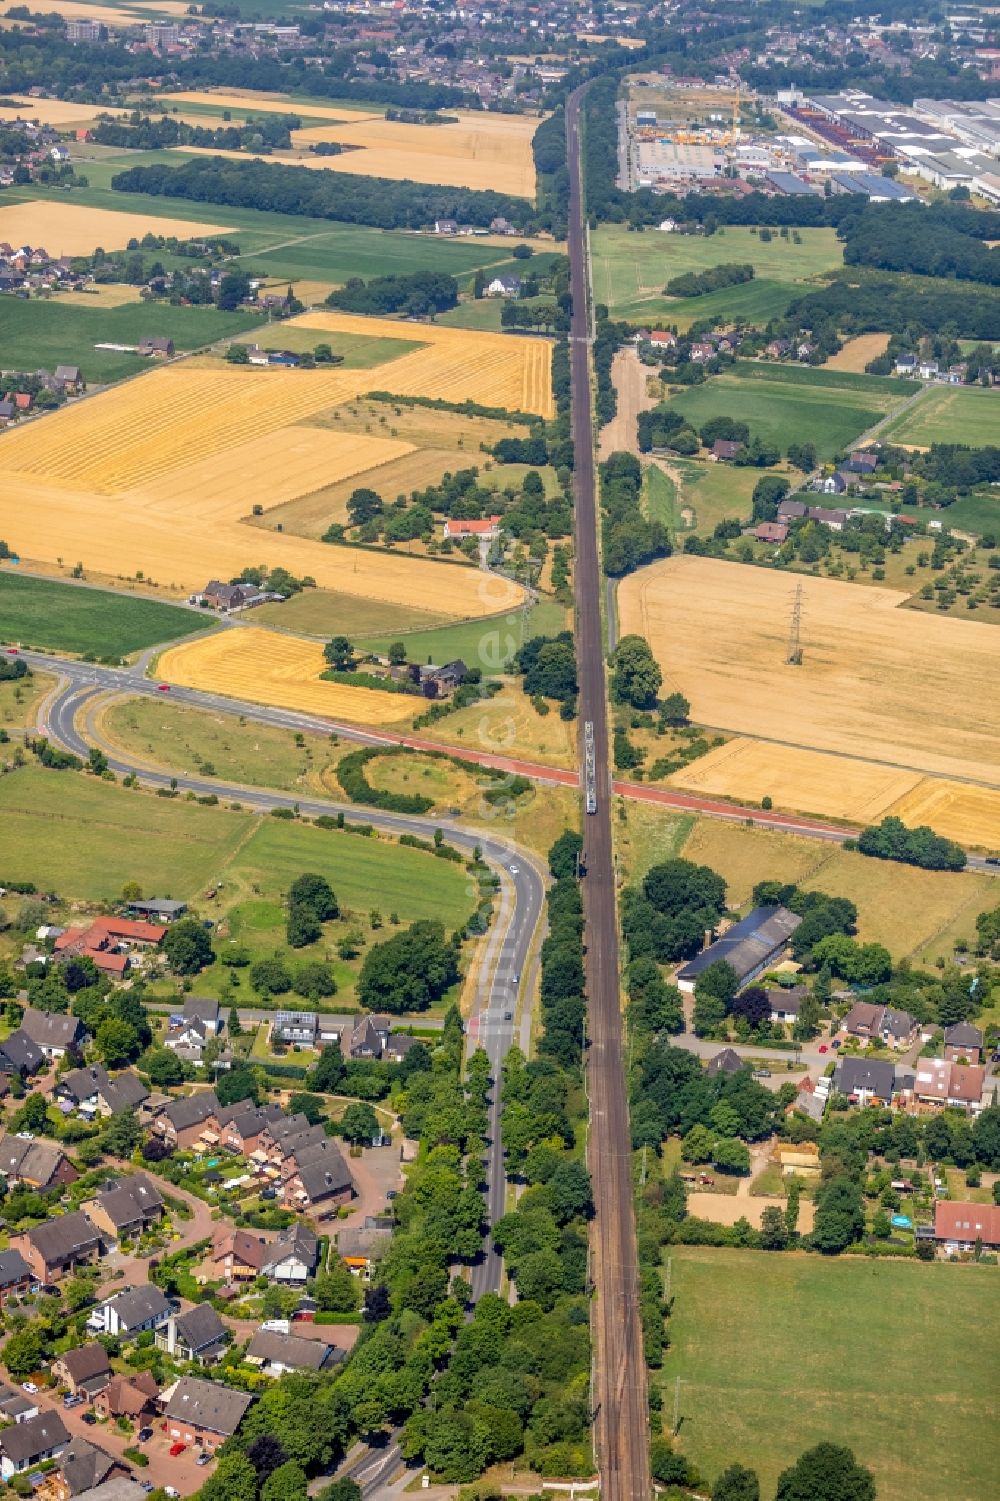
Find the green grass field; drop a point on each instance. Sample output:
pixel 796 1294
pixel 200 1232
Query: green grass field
pixel 484 313
pixel 779 1352
pixel 488 644
pixel 950 414
pixel 72 618
pixel 799 404
pixel 326 612
pixel 715 492
pixel 631 270
pixel 659 494
pixel 63 331
pixel 360 351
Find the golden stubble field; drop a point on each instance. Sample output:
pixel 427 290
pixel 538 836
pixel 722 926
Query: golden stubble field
pixel 159 474
pixel 916 691
pixel 271 667
pixel 72 229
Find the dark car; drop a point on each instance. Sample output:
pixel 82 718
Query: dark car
pixel 88 1418
pixel 144 1434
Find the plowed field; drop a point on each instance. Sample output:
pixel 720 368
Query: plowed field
pixel 273 668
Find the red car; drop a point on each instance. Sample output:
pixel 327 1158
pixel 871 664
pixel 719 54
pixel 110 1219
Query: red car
pixel 823 1047
pixel 12 651
pixel 176 1449
pixel 163 687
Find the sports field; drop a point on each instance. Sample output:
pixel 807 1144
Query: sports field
pixel 950 414
pixel 201 441
pixel 784 404
pixel 777 1353
pixel 72 229
pixel 631 269
pixel 278 669
pixel 873 682
pixel 70 618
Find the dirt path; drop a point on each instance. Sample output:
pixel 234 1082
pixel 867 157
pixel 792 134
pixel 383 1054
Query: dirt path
pixel 628 376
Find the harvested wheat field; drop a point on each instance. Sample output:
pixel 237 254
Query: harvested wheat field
pixel 916 691
pixel 458 364
pixel 62 112
pixel 249 99
pixel 959 811
pixel 105 295
pixel 802 781
pixel 70 229
pixel 857 352
pixel 283 671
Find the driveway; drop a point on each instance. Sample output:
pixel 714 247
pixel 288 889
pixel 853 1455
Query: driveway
pixel 130 1271
pixel 182 1472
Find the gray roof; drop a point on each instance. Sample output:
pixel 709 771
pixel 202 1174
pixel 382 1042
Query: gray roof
pixel 138 1305
pixel 22 1054
pixel 191 1109
pixel 748 943
pixel 200 1327
pixel 366 1241
pixel 810 1104
pixel 325 1174
pixel 50 1029
pixel 726 1062
pixel 21 1157
pixel 84 1466
pixel 86 1361
pixel 124 1092
pixel 63 1237
pixel 963 1035
pixel 118 1489
pixel 873 1074
pixel 132 1199
pixel 270 1345
pixel 207 1404
pixel 82 1083
pixel 297 1241
pixel 201 1008
pixel 25 1441
pixel 13 1268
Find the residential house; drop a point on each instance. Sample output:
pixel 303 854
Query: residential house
pixel 115 1489
pixel 84 1371
pixel 127 1396
pixel 863 1080
pixel 959 1085
pixel 36 1164
pixel 726 1062
pixel 661 338
pixel 792 510
pixel 292 1258
pixel 785 1004
pixel 132 1312
pixel 906 364
pixel 276 1353
pixel 69 378
pixel 197 1335
pixel 862 462
pixel 126 1208
pixel 750 946
pixel 26 1444
pixel 483 531
pixel 321 1183
pixel 445 227
pixel 928 369
pixel 203 1412
pixel 295 1028
pixel 228 597
pixel 58 1246
pixel 53 1033
pixel 188 1040
pixel 240 1127
pixel 183 1122
pixel 961 1227
pixel 160 349
pixel 503 286
pixel 82 1466
pixel 832 517
pixel 868 1022
pixel 206 1010
pixel 361 1249
pixel 701 351
pixel 963 1043
pixel 81 1086
pixel 15 1407
pixel 237 1256
pixel 125 1091
pixel 19 1055
pixel 725 449
pixel 771 531
pixel 834 484
pixel 15 1276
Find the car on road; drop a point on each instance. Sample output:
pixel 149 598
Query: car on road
pixel 29 1386
pixel 993 859
pixel 762 1073
pixel 163 687
pixel 12 651
pixel 515 870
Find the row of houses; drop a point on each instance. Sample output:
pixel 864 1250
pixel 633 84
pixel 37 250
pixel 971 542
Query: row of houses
pixel 123 1210
pixel 931 1083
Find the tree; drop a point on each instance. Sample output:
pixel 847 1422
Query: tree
pixel 234 1480
pixel 666 1466
pixel 409 971
pixel 339 653
pixel 116 1042
pixel 731 1155
pixel 637 676
pixel 340 1490
pixel 768 493
pixel 675 710
pixel 271 976
pixel 309 1105
pixel 266 1454
pixel 675 886
pixel 328 1071
pixel 737 1483
pixel 24 1352
pixel 188 946
pixel 286 1483
pixel 235 1025
pixel 806 1024
pixel 840 1217
pixel 238 1084
pixel 364 505
pixel 564 855
pixel 32 1115
pixel 315 895
pixel 359 1123
pixel 397 653
pixel 163 1067
pixel 337 1291
pixel 752 1005
pixel 120 1134
pixel 826 1473
pixel 773 1234
pixel 570 1191
pixel 378 1304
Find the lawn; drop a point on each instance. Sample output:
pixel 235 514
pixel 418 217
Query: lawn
pixel 64 330
pixel 831 410
pixel 950 414
pixel 776 1353
pixel 19 696
pixel 631 270
pixel 660 500
pixel 488 644
pixel 484 312
pixel 85 838
pixel 714 492
pixel 73 618
pixel 358 351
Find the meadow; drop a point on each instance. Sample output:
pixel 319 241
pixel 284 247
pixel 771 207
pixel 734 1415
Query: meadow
pixel 784 404
pixel 631 269
pixel 893 1359
pixel 64 331
pixel 950 414
pixel 487 644
pixel 867 675
pixel 70 618
pixel 330 612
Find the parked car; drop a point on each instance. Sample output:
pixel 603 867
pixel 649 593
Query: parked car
pixel 169 1490
pixel 73 1401
pixel 176 1449
pixel 88 1418
pixel 147 1486
pixel 762 1073
pixel 29 1386
pixel 823 1048
pixel 144 1434
pixel 204 1459
pixel 835 1044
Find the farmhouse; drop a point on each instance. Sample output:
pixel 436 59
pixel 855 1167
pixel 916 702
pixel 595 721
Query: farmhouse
pixel 58 1246
pixel 750 946
pixel 504 286
pixel 725 449
pixel 771 531
pixel 107 940
pixel 160 349
pixel 958 1227
pixel 229 597
pixel 203 1412
pixel 484 530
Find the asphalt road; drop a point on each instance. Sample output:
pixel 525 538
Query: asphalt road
pixel 620 1399
pixel 493 1022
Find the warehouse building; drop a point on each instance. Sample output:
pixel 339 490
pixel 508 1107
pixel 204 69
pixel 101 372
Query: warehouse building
pixel 750 946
